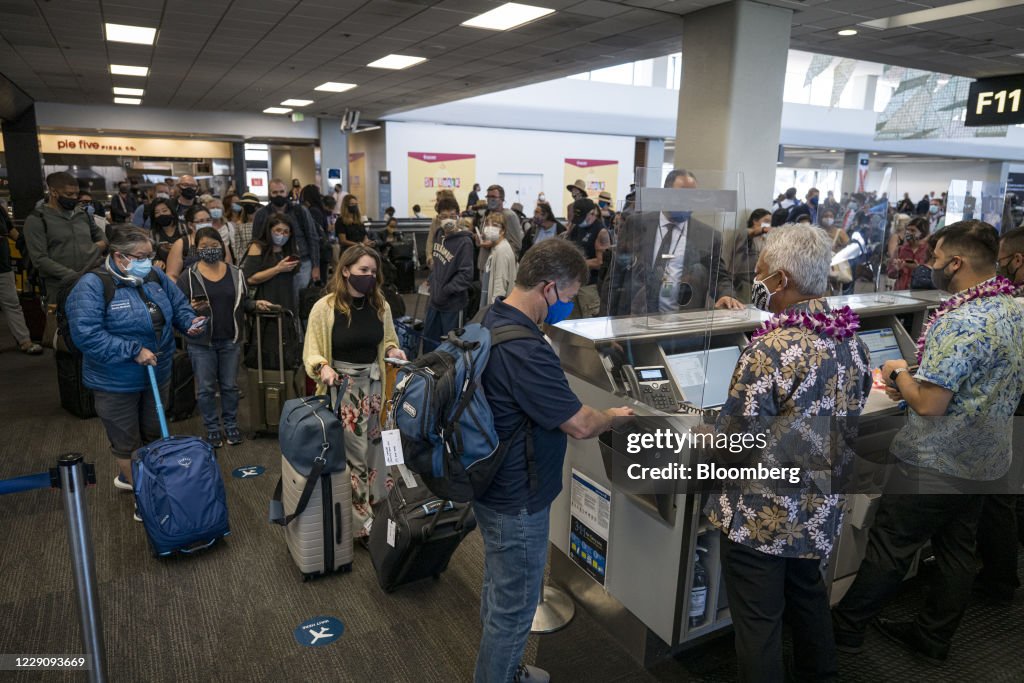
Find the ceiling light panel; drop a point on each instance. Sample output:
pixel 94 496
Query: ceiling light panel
pixel 124 70
pixel 123 33
pixel 331 86
pixel 926 16
pixel 131 92
pixel 297 103
pixel 277 110
pixel 396 62
pixel 127 100
pixel 508 16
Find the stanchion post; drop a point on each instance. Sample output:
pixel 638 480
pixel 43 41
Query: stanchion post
pixel 73 479
pixel 555 610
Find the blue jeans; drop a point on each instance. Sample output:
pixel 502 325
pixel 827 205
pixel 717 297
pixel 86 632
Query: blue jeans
pixel 515 552
pixel 437 325
pixel 213 365
pixel 303 275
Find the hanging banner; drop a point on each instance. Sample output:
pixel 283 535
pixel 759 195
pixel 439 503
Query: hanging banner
pixel 863 163
pixel 357 177
pixel 133 147
pixel 600 175
pixel 383 191
pixel 430 172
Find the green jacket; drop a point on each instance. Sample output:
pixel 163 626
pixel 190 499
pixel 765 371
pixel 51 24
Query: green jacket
pixel 60 243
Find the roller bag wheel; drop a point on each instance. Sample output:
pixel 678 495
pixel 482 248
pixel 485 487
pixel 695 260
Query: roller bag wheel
pixel 75 397
pixel 415 533
pixel 182 399
pixel 320 538
pixel 405 278
pixel 179 490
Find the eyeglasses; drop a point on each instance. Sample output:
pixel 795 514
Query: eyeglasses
pixel 141 257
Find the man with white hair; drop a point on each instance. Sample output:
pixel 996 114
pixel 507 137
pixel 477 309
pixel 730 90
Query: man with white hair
pixel 803 378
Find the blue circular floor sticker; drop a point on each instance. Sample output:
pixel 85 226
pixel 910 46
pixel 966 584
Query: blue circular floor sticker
pixel 248 472
pixel 319 631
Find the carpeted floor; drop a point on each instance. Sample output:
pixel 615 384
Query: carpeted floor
pixel 229 614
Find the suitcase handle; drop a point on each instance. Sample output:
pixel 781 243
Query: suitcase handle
pixel 197 548
pixel 158 401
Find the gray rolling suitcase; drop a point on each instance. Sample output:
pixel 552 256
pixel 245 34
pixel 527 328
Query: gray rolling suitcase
pixel 320 537
pixel 268 389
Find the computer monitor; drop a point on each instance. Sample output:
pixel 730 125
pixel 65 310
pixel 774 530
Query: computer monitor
pixel 706 385
pixel 881 345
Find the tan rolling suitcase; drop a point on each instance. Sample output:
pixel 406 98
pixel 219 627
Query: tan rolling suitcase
pixel 320 537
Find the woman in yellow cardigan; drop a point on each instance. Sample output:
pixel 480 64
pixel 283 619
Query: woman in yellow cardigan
pixel 350 332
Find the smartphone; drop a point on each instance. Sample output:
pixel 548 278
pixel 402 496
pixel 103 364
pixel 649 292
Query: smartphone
pixel 200 298
pixel 199 324
pixel 292 259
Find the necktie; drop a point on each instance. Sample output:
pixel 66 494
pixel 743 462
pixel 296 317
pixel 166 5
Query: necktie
pixel 664 250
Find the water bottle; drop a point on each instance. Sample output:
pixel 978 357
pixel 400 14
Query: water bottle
pixel 699 590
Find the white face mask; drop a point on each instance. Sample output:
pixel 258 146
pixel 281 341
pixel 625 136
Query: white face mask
pixel 760 295
pixel 491 233
pixel 765 225
pixel 200 226
pixel 827 222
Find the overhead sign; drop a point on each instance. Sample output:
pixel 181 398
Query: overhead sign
pixel 50 143
pixel 996 101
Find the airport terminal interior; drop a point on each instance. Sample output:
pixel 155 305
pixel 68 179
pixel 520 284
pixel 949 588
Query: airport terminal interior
pixel 378 340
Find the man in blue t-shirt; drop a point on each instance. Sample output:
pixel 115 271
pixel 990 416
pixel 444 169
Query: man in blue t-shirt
pixel 524 381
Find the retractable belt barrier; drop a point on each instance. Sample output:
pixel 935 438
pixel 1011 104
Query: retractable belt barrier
pixel 72 476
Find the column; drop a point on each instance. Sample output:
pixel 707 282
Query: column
pixel 333 153
pixel 238 167
pixel 24 162
pixel 730 100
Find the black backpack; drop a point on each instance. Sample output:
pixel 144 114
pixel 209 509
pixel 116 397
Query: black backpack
pixel 64 291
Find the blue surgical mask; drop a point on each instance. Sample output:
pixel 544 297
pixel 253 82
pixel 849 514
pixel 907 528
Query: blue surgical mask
pixel 237 208
pixel 216 214
pixel 279 240
pixel 139 268
pixel 558 311
pixel 678 217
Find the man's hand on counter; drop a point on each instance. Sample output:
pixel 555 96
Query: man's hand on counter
pixel 730 303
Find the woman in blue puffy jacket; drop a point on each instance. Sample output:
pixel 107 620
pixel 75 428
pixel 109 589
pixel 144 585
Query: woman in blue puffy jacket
pixel 122 317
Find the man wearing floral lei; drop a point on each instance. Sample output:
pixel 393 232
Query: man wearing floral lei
pixel 804 367
pixel 955 444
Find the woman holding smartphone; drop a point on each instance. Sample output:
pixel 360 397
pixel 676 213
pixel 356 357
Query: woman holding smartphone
pixel 217 290
pixel 271 263
pixel 911 254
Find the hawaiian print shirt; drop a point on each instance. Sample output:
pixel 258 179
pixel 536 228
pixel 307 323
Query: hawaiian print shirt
pixel 807 391
pixel 977 352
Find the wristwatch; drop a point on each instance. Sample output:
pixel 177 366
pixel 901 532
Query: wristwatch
pixel 896 373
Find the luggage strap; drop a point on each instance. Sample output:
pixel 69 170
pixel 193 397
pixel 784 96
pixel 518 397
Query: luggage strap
pixel 277 515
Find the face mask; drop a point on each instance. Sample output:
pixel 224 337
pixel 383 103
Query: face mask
pixel 216 214
pixel 67 203
pixel 162 195
pixel 164 220
pixel 603 205
pixel 760 295
pixel 558 311
pixel 279 201
pixel 279 239
pixel 211 254
pixel 827 222
pixel 912 238
pixel 541 198
pixel 89 209
pixel 364 284
pixel 678 217
pixel 586 222
pixel 200 226
pixel 933 209
pixel 189 192
pixel 493 203
pixel 296 184
pixel 813 201
pixel 237 208
pixel 448 225
pixel 1005 271
pixel 354 210
pixel 140 268
pixel 940 280
pixel 123 189
pixel 481 212
pixel 766 225
pixel 491 233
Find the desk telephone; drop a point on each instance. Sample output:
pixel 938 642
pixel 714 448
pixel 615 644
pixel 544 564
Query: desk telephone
pixel 653 386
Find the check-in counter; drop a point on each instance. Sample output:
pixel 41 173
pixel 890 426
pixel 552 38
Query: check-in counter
pixel 625 553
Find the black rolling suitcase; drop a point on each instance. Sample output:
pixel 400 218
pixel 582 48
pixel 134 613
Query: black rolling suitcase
pixel 75 397
pixel 182 399
pixel 415 533
pixel 405 277
pixel 271 381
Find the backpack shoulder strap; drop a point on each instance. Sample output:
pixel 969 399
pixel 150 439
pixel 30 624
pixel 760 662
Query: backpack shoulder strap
pixel 109 288
pixel 507 333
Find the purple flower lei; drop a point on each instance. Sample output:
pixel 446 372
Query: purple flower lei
pixel 841 323
pixel 994 287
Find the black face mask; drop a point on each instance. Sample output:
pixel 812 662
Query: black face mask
pixel 163 221
pixel 67 203
pixel 279 201
pixel 189 192
pixel 354 210
pixel 123 189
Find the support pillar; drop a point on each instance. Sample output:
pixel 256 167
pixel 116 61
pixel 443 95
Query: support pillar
pixel 24 162
pixel 730 100
pixel 333 153
pixel 238 167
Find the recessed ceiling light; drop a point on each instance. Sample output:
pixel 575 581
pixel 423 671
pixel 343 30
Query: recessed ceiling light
pixel 122 33
pixel 277 110
pixel 832 151
pixel 122 70
pixel 297 103
pixel 396 62
pixel 848 32
pixel 134 92
pixel 127 100
pixel 508 16
pixel 331 86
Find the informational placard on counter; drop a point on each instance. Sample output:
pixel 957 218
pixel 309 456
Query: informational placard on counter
pixel 590 506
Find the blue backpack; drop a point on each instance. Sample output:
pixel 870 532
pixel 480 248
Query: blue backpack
pixel 179 491
pixel 447 428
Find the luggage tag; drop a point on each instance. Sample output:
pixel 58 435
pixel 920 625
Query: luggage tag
pixel 392 531
pixel 391 440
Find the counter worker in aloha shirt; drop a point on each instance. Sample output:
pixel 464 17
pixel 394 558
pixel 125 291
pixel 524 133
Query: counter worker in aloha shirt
pixel 804 378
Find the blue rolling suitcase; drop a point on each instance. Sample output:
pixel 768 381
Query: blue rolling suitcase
pixel 179 490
